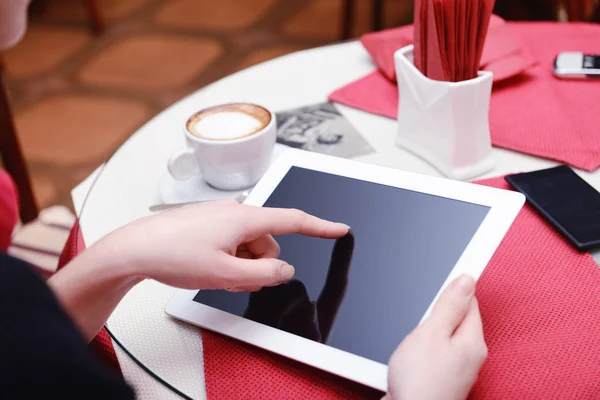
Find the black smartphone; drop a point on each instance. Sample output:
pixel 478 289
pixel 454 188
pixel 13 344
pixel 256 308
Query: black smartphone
pixel 565 200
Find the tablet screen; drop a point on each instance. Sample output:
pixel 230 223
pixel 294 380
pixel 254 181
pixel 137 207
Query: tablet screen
pixel 369 292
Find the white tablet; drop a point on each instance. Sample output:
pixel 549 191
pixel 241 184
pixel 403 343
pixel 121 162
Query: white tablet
pixel 352 301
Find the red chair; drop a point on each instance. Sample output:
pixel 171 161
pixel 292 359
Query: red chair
pixel 12 157
pixel 9 209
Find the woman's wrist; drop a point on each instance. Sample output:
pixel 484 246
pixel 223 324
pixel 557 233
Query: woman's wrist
pixel 110 259
pixel 91 285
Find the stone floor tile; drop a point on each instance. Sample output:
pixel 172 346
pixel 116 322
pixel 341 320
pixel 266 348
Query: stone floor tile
pixel 150 62
pixel 319 19
pixel 323 18
pixel 70 129
pixel 46 263
pixel 44 190
pixel 265 54
pixel 41 236
pixel 218 15
pixel 57 216
pixel 42 49
pixel 75 10
pixel 40 242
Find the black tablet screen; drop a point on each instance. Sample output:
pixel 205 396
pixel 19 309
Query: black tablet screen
pixel 369 292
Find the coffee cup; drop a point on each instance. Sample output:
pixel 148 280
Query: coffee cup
pixel 230 145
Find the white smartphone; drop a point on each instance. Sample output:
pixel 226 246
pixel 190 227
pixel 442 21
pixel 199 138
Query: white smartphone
pixel 577 65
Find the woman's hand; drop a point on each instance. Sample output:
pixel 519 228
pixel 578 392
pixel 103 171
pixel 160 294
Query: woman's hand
pixel 218 245
pixel 441 358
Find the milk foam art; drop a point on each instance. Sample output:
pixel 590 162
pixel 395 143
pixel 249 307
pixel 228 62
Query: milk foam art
pixel 226 125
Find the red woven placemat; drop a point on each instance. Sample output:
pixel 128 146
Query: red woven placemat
pixel 540 304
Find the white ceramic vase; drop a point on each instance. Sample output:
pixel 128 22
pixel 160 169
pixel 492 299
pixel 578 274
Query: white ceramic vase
pixel 445 123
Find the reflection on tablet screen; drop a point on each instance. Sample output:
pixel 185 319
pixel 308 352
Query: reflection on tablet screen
pixel 365 292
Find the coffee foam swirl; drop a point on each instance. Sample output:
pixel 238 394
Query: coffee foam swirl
pixel 229 122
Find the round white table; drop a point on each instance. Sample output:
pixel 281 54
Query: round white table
pixel 122 190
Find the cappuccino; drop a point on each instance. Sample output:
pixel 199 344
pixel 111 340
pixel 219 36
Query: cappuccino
pixel 228 122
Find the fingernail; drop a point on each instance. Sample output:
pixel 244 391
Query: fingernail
pixel 344 225
pixel 287 271
pixel 466 285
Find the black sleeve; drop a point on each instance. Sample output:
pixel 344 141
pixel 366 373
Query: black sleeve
pixel 42 354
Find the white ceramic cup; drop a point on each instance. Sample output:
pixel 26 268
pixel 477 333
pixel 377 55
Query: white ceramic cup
pixel 226 164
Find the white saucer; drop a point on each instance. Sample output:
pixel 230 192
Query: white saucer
pixel 196 189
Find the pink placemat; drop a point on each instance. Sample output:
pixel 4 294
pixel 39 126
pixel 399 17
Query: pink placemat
pixel 533 113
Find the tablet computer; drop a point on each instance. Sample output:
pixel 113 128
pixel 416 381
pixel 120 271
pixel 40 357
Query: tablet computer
pixel 353 300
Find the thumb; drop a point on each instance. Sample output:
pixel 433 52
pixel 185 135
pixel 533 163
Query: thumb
pixel 453 305
pixel 243 272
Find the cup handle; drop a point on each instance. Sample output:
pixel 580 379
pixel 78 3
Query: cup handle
pixel 183 165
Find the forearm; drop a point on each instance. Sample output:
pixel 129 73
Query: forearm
pixel 90 287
